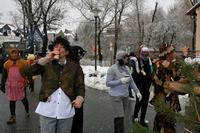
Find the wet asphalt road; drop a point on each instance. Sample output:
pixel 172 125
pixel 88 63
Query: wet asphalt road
pixel 98 117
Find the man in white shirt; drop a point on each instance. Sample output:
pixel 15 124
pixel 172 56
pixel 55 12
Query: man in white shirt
pixel 62 88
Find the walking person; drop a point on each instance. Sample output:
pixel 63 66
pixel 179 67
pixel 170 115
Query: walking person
pixel 166 68
pixel 119 79
pixel 133 64
pixel 143 78
pixel 14 82
pixel 62 88
pixel 76 54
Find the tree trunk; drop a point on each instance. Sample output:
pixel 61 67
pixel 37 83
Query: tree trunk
pixel 154 13
pixel 138 19
pixel 194 33
pixel 116 39
pixel 99 42
pixel 45 37
pixel 31 39
pixel 31 24
pixel 99 49
pixel 172 38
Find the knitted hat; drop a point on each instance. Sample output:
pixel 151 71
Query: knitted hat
pixel 120 55
pixel 11 50
pixel 144 49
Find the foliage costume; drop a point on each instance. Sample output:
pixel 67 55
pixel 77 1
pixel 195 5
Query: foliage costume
pixel 166 102
pixel 189 84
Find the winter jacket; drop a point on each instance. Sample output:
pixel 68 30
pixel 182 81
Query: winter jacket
pixel 9 63
pixel 117 88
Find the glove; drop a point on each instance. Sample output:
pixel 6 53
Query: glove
pixel 125 80
pixel 3 89
pixel 139 96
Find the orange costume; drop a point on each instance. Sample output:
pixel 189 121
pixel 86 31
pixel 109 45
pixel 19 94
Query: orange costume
pixel 14 79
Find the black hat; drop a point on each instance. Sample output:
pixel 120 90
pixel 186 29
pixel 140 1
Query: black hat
pixel 76 53
pixel 60 40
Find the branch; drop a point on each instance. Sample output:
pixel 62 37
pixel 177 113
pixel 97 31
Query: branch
pixel 154 12
pixel 191 2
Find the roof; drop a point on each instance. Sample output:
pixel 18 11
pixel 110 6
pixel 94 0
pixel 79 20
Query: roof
pixel 193 9
pixel 12 27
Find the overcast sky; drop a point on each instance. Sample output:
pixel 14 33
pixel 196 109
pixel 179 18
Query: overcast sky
pixel 9 5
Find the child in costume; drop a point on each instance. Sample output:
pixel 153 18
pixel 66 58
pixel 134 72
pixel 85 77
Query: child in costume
pixel 15 82
pixel 30 60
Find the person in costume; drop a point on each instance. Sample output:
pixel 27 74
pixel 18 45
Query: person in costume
pixel 143 78
pixel 119 80
pixel 166 68
pixel 14 82
pixel 30 60
pixel 76 54
pixel 62 88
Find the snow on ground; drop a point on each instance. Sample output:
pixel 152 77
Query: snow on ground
pixel 98 81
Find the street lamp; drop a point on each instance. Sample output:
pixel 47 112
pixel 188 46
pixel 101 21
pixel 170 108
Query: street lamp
pixel 95 11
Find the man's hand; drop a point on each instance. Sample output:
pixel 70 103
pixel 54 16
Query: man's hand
pixel 53 55
pixel 77 103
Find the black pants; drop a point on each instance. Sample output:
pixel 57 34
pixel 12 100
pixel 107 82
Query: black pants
pixel 141 105
pixel 77 125
pixel 13 106
pixel 119 125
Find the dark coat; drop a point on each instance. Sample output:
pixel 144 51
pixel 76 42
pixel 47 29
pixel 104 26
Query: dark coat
pixel 142 81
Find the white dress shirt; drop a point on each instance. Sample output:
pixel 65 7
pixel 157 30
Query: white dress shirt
pixel 57 106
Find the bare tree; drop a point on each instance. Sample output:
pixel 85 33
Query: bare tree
pixel 106 17
pixel 119 8
pixel 138 12
pixel 32 13
pixel 37 13
pixel 51 13
pixel 153 18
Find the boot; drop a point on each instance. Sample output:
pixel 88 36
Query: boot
pixel 119 125
pixel 12 120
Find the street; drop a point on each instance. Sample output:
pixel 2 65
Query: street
pixel 98 116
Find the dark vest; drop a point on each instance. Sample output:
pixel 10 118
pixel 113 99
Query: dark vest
pixel 68 77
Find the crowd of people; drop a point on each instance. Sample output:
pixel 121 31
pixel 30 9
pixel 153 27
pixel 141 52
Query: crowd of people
pixel 138 75
pixel 62 93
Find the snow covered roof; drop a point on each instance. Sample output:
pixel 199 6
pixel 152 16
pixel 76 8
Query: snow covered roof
pixel 1 25
pixel 12 27
pixel 9 38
